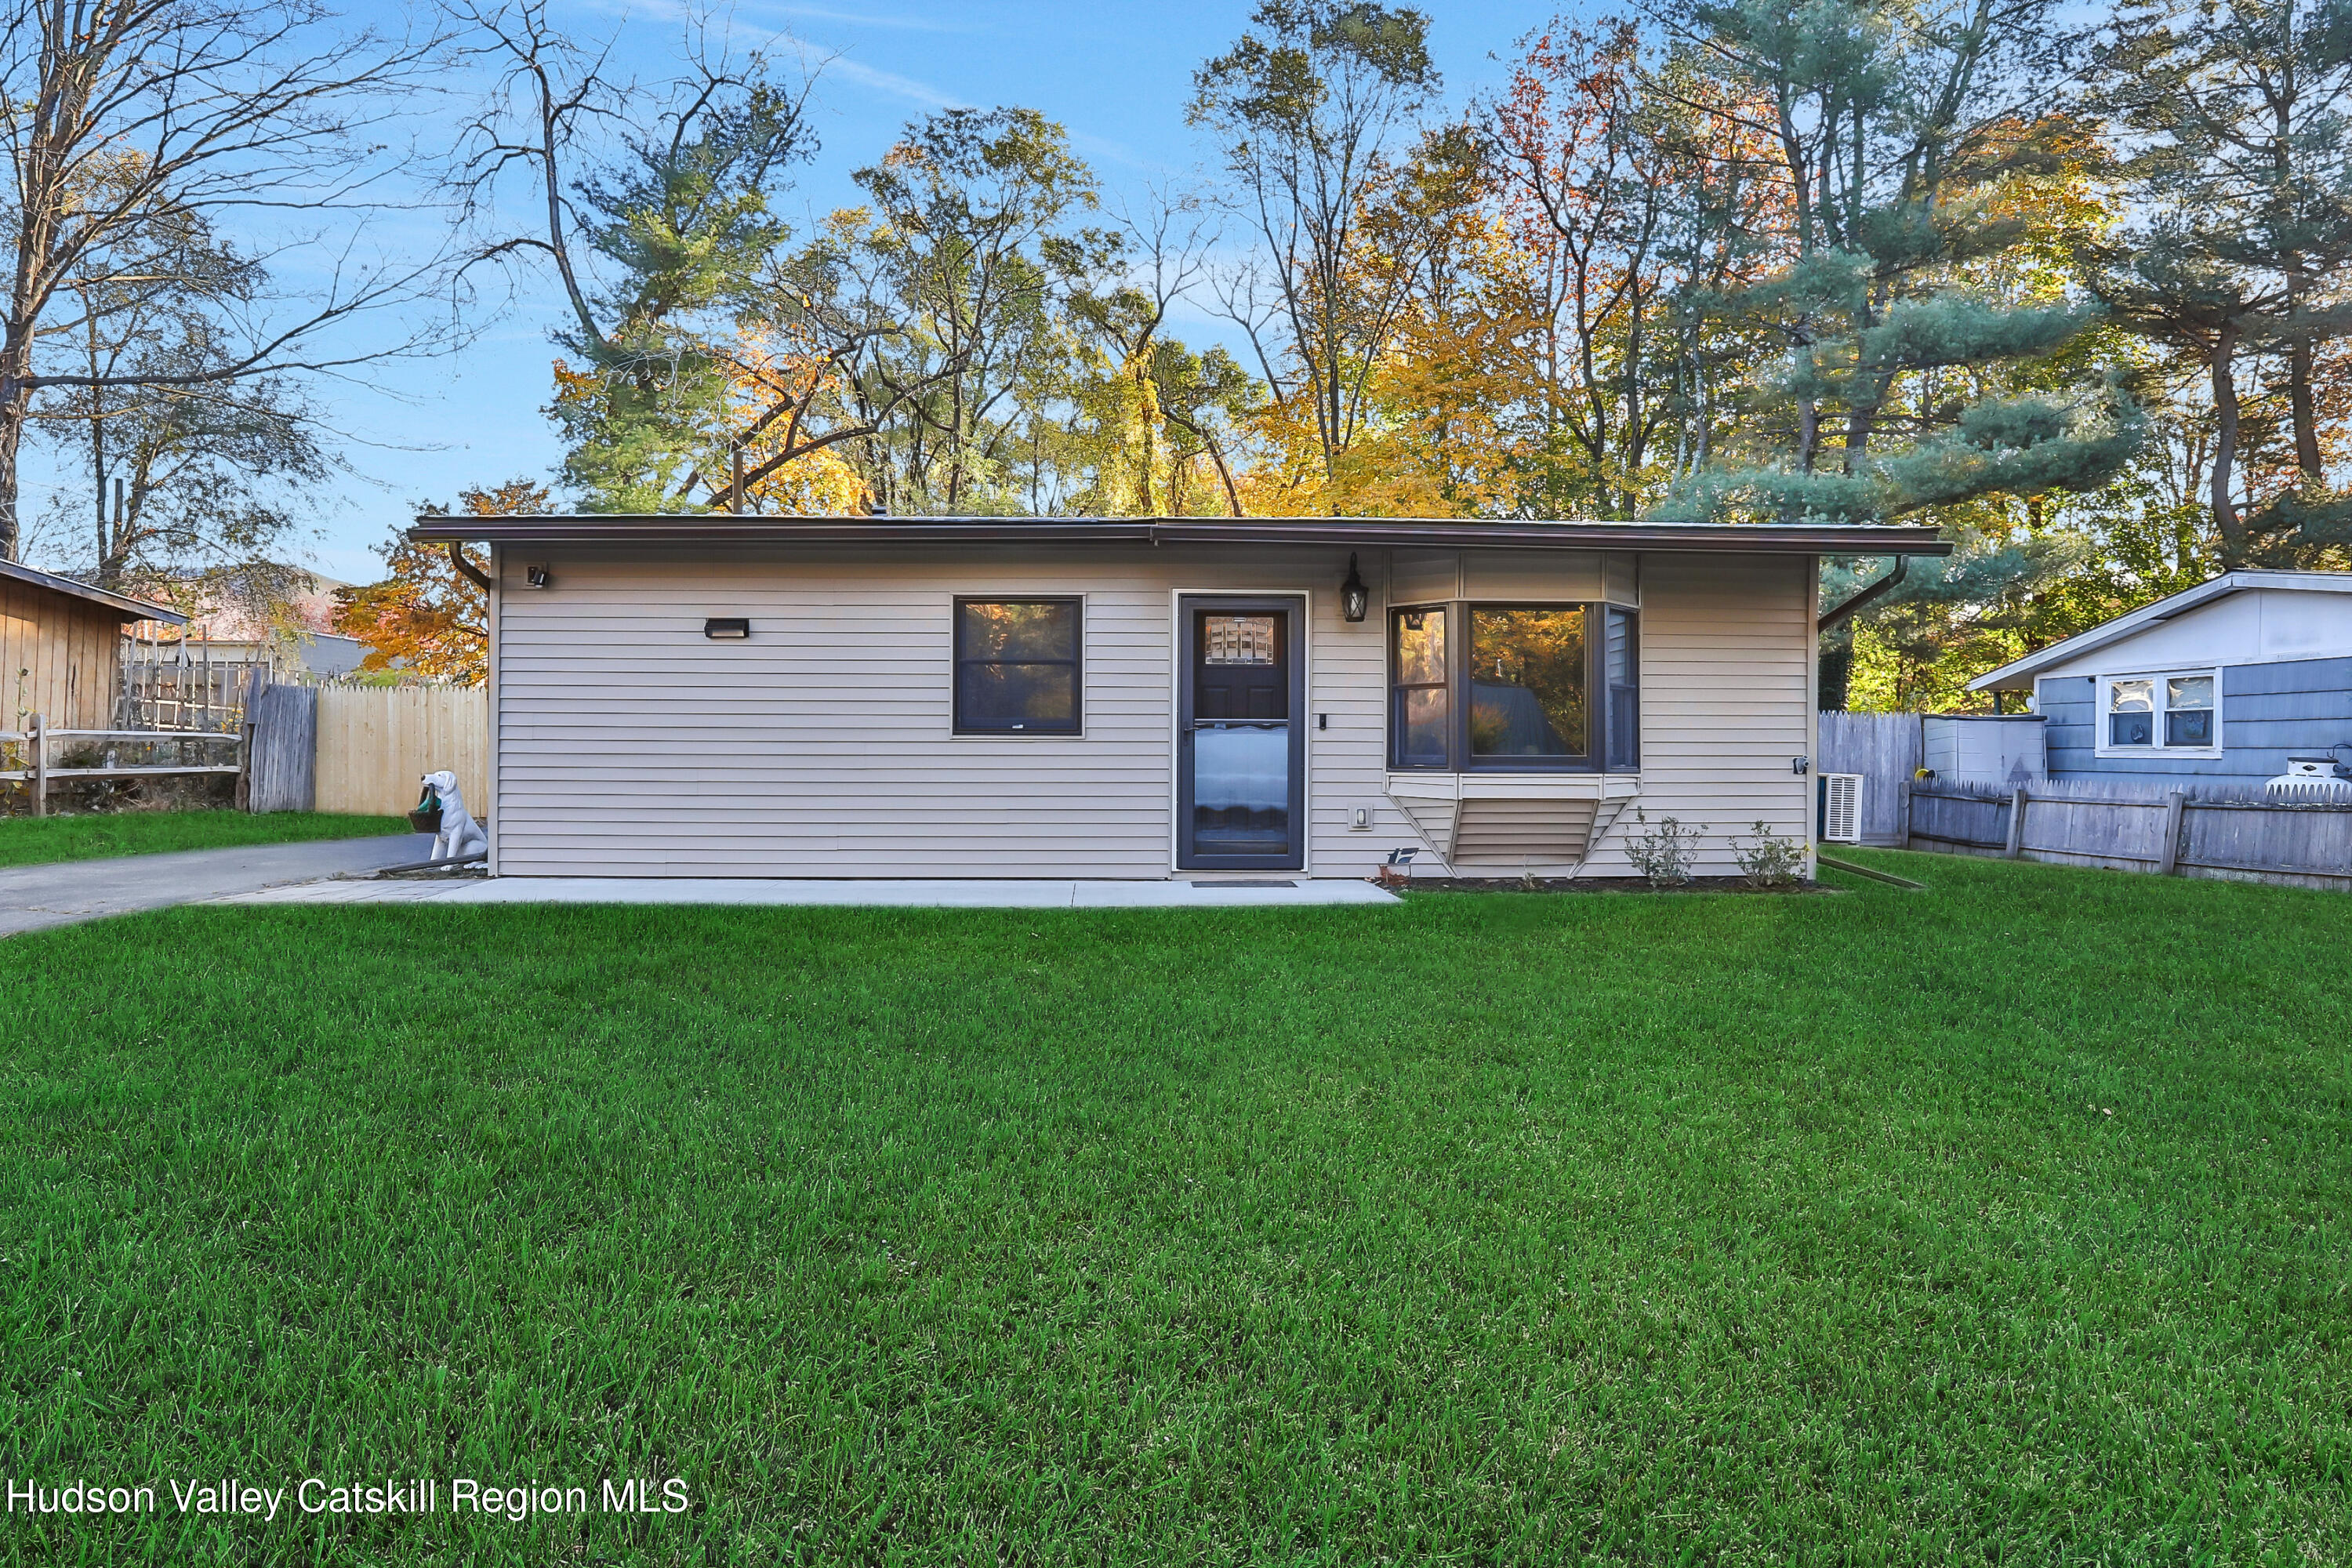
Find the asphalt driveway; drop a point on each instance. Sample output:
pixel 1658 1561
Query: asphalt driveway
pixel 33 898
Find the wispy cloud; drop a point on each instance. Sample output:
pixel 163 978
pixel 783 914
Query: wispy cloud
pixel 897 23
pixel 892 84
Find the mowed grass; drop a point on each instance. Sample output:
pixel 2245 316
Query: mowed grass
pixel 2001 1222
pixel 44 840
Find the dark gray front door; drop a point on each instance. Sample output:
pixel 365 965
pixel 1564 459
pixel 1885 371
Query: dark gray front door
pixel 1240 764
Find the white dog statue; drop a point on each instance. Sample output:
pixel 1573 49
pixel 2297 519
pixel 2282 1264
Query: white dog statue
pixel 460 834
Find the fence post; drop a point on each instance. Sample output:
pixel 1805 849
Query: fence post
pixel 1902 814
pixel 2016 822
pixel 2174 804
pixel 40 765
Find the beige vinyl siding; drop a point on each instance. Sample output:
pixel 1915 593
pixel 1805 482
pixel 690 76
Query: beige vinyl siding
pixel 1726 701
pixel 630 745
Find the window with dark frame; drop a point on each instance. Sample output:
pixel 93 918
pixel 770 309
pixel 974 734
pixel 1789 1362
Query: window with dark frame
pixel 1421 706
pixel 1502 687
pixel 1621 679
pixel 1017 667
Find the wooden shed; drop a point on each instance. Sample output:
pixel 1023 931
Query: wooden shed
pixel 61 648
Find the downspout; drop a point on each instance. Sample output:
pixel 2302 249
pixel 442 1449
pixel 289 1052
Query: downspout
pixel 1833 616
pixel 466 569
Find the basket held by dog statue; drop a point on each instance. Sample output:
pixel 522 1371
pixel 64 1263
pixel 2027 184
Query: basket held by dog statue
pixel 441 811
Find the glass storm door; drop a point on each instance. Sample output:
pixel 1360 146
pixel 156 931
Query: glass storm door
pixel 1241 745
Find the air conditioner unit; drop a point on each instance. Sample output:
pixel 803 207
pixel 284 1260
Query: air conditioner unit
pixel 1840 808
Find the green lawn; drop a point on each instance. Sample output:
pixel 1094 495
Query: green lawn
pixel 2000 1222
pixel 43 840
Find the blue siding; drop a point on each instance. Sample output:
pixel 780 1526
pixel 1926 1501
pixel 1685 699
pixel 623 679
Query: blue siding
pixel 2268 712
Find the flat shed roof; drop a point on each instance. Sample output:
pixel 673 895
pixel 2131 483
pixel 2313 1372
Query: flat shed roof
pixel 720 530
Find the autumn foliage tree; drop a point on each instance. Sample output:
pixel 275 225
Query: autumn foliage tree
pixel 426 615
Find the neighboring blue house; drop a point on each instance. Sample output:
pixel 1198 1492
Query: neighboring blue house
pixel 2225 680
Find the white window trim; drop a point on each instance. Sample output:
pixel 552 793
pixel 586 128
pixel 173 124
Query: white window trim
pixel 2099 712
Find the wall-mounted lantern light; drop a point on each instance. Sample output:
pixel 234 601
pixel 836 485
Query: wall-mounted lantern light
pixel 1355 599
pixel 730 628
pixel 535 576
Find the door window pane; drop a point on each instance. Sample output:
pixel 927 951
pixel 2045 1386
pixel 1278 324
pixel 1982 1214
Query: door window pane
pixel 1241 788
pixel 2131 713
pixel 1238 640
pixel 1528 683
pixel 1016 666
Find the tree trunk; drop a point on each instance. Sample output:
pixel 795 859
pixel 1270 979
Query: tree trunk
pixel 2226 521
pixel 16 401
pixel 1833 675
pixel 2303 409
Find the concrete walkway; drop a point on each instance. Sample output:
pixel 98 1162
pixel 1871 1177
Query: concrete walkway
pixel 33 898
pixel 944 893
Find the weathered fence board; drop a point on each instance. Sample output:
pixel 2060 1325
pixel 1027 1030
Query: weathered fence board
pixel 375 742
pixel 1885 750
pixel 2120 828
pixel 282 765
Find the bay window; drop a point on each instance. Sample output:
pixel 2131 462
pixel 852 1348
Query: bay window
pixel 1514 687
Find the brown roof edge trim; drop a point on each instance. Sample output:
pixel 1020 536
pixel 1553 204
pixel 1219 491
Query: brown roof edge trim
pixel 1428 533
pixel 123 604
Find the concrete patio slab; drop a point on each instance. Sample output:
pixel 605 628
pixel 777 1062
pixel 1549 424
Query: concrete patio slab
pixel 940 893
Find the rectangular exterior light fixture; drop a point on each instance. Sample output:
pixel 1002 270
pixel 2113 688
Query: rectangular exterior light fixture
pixel 730 628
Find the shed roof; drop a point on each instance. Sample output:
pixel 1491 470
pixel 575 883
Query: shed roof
pixel 123 604
pixel 2017 675
pixel 719 530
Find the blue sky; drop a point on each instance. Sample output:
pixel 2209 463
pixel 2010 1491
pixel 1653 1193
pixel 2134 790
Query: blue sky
pixel 1115 75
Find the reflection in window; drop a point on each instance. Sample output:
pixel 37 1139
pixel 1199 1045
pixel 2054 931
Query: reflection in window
pixel 1528 683
pixel 1238 640
pixel 1016 666
pixel 2188 710
pixel 1420 704
pixel 1620 665
pixel 2131 713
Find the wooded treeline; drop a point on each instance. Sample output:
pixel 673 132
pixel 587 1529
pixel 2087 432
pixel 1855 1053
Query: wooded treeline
pixel 2068 285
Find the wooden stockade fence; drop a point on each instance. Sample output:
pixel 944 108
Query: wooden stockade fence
pixel 361 749
pixel 282 748
pixel 2229 834
pixel 1887 750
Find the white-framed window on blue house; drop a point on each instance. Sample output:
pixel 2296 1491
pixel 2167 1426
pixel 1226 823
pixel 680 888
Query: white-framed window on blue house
pixel 2172 712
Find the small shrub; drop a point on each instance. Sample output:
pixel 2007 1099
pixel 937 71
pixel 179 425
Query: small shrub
pixel 1665 853
pixel 1768 860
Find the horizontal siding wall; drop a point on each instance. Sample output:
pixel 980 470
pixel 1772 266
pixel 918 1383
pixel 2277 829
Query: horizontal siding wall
pixel 2269 712
pixel 630 745
pixel 1726 702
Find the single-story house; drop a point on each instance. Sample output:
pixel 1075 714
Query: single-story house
pixel 61 648
pixel 2224 681
pixel 744 695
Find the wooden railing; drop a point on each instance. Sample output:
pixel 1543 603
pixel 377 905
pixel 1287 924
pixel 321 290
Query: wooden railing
pixel 39 739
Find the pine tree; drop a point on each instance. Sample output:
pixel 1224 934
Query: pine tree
pixel 2238 121
pixel 1913 377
